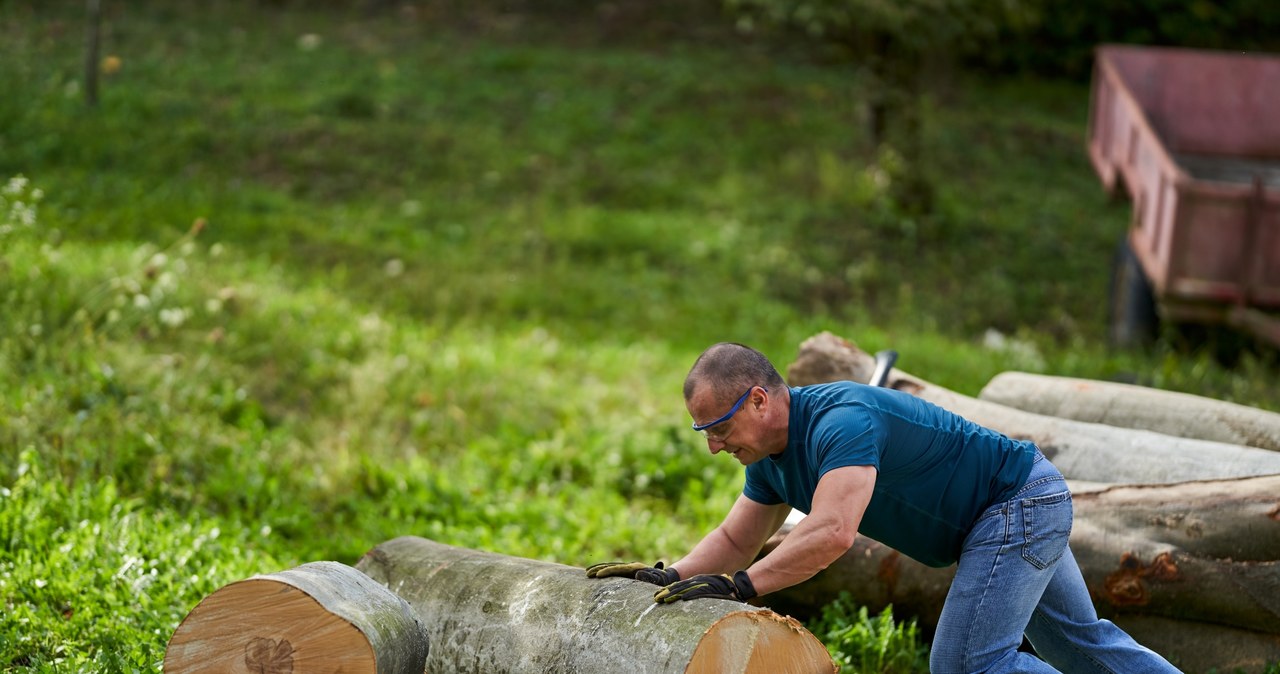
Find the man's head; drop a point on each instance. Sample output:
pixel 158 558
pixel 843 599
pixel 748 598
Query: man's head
pixel 739 401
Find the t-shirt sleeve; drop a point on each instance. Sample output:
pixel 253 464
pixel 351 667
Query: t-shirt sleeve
pixel 758 489
pixel 847 436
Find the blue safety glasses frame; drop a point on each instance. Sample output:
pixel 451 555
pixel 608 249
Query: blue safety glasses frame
pixel 704 428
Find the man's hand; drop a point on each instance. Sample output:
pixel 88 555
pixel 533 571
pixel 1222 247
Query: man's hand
pixel 737 587
pixel 638 570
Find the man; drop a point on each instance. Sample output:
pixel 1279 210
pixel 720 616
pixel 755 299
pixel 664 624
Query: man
pixel 924 481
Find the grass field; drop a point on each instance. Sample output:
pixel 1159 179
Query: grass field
pixel 305 281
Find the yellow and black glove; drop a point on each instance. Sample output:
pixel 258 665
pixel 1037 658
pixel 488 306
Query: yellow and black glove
pixel 655 574
pixel 737 587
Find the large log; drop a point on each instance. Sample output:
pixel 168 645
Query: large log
pixel 486 612
pixel 1081 450
pixel 1115 404
pixel 1198 558
pixel 1203 648
pixel 318 617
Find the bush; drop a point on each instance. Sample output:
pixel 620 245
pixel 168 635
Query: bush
pixel 1060 42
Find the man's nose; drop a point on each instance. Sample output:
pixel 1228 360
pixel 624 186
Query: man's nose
pixel 714 446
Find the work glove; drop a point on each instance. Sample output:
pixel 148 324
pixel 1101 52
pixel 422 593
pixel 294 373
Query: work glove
pixel 655 574
pixel 737 587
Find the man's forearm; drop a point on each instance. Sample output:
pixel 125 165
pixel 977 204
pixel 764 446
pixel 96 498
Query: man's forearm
pixel 809 548
pixel 715 553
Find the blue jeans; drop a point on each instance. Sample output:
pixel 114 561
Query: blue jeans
pixel 1016 575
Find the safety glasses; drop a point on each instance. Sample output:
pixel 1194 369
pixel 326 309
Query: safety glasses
pixel 717 430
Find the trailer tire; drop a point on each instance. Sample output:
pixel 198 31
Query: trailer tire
pixel 1131 312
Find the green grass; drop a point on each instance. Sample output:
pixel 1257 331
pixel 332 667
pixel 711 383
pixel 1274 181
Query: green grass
pixel 450 275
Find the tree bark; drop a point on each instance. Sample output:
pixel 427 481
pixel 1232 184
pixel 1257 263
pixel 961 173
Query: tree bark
pixel 1168 412
pixel 1197 558
pixel 1081 450
pixel 1202 648
pixel 493 613
pixel 318 617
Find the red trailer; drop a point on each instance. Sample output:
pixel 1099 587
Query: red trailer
pixel 1192 138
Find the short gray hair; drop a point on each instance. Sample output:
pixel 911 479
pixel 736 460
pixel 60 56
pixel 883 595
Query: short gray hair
pixel 729 369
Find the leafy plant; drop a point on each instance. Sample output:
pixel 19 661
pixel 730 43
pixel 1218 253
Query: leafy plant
pixel 870 644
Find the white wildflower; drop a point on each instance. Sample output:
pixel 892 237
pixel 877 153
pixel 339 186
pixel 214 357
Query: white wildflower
pixel 141 301
pixel 173 317
pixel 25 214
pixel 370 323
pixel 16 185
pixel 167 281
pixel 394 267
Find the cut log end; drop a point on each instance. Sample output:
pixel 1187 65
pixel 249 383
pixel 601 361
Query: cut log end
pixel 261 625
pixel 321 617
pixel 759 642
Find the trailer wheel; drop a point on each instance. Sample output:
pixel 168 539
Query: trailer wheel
pixel 1131 312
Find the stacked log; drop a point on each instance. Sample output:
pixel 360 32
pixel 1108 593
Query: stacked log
pixel 1185 560
pixel 1129 406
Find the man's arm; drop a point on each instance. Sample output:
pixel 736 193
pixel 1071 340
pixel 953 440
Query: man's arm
pixel 820 538
pixel 735 543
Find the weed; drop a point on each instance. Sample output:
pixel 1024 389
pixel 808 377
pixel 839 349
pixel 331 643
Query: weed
pixel 867 644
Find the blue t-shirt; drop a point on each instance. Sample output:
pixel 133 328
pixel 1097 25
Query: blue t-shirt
pixel 936 471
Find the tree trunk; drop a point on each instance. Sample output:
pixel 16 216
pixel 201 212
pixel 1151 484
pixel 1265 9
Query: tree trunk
pixel 1178 414
pixel 1081 450
pixel 1201 556
pixel 318 617
pixel 492 613
pixel 92 40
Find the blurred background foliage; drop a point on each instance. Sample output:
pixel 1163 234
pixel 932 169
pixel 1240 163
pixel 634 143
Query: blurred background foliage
pixel 313 275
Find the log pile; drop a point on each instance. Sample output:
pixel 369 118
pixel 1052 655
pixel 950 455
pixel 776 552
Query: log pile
pixel 1187 559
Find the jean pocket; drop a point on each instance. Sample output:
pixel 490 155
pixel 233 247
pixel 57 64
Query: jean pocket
pixel 1046 524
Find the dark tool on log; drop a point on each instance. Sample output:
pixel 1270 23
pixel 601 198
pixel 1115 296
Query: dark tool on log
pixel 884 363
